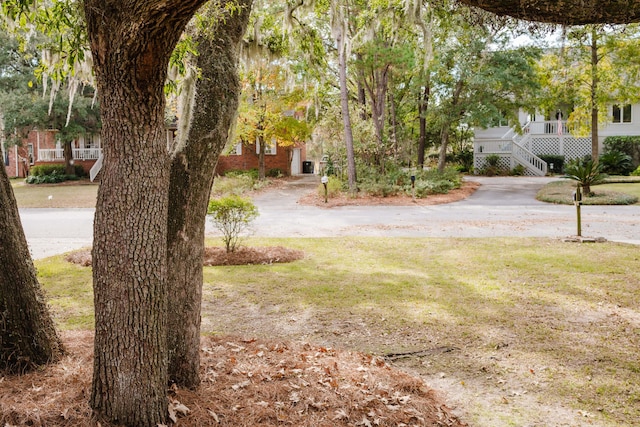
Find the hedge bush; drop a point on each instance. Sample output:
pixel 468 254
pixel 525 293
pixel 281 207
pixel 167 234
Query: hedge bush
pixel 629 145
pixel 616 162
pixel 42 170
pixel 556 160
pixel 52 174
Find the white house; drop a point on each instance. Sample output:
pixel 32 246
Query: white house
pixel 548 137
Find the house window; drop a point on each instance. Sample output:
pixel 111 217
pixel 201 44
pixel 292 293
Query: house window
pixel 30 153
pixel 622 115
pixel 92 140
pixel 236 150
pixel 5 154
pixel 270 148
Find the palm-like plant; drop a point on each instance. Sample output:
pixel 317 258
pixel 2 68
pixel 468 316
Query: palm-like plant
pixel 586 172
pixel 616 163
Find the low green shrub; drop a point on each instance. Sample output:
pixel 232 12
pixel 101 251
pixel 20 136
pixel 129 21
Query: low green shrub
pixel 252 173
pixel 54 176
pixel 42 170
pixel 616 162
pixel 555 162
pixel 436 186
pixel 380 188
pixel 232 215
pixel 636 172
pixel 56 169
pixel 464 160
pixel 334 187
pixel 275 173
pixel 518 170
pixel 237 182
pixel 630 145
pixel 492 166
pixel 586 173
pixel 433 181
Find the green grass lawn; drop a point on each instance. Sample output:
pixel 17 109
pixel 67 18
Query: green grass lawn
pixel 615 193
pixel 83 194
pixel 70 194
pixel 529 325
pixel 627 188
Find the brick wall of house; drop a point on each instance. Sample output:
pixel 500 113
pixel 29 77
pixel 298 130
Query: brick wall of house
pixel 249 160
pixel 17 167
pixel 40 140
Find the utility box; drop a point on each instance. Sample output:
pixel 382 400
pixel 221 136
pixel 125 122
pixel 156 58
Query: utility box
pixel 307 167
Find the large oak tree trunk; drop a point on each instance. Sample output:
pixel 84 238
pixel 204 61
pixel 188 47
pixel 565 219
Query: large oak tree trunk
pixel 131 42
pixel 27 333
pixel 569 12
pixel 192 172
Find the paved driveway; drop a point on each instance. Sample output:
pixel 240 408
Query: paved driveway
pixel 503 206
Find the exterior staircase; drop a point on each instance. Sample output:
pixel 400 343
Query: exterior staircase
pixel 512 150
pixel 95 169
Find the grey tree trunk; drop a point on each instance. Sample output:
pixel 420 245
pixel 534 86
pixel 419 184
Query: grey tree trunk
pixel 69 169
pixel 569 12
pixel 457 111
pixel 192 174
pixel 27 333
pixel 594 94
pixel 422 110
pixel 346 117
pixel 444 143
pixel 131 42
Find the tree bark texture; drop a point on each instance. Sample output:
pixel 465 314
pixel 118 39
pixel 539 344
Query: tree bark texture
pixel 131 42
pixel 422 110
pixel 346 117
pixel 377 91
pixel 27 333
pixel 594 94
pixel 568 12
pixel 192 172
pixel 457 113
pixel 69 169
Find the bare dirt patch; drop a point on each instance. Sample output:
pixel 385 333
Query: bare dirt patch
pixel 313 199
pixel 244 383
pixel 219 256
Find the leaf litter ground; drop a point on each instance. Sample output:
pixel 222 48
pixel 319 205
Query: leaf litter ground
pixel 245 382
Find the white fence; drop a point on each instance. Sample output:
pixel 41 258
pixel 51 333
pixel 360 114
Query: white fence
pixel 57 154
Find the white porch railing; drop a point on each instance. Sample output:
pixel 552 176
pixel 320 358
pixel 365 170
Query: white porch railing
pixel 549 127
pixel 511 153
pixel 95 169
pixel 529 160
pixel 57 154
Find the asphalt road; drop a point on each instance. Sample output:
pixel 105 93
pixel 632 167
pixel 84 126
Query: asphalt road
pixel 503 206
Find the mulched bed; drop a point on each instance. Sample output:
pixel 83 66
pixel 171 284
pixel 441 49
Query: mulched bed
pixel 455 195
pixel 245 382
pixel 219 256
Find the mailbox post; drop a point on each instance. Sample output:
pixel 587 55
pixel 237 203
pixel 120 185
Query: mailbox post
pixel 577 200
pixel 413 187
pixel 325 180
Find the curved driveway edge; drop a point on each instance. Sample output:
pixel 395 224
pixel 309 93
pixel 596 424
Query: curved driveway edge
pixel 501 207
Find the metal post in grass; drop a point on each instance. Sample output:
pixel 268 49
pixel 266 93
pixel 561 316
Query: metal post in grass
pixel 413 187
pixel 577 199
pixel 325 180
